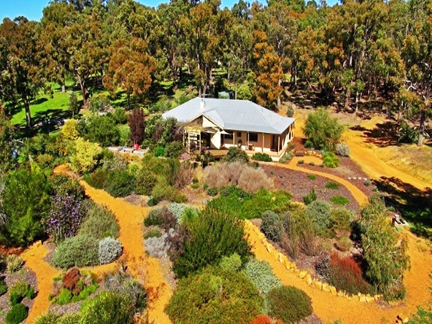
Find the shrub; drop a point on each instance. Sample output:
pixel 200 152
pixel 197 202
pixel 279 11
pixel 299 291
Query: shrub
pixel 174 149
pixel 271 225
pixel 119 183
pixel 341 219
pixel 301 162
pixel 69 130
pixel 152 233
pixel 346 274
pixel 161 217
pixel 408 134
pixel 65 297
pixel 310 197
pixel 19 291
pixel 380 239
pixel 322 131
pixel 144 182
pixel 289 304
pixel 157 247
pixel 49 317
pixel 80 251
pixel 262 319
pixel 109 250
pixel 262 157
pixel 342 149
pixel 25 203
pixel 99 223
pixel 339 200
pixel 119 116
pixel 330 160
pixel 299 236
pixel 214 295
pixel 108 307
pixel 252 180
pixel 235 154
pixel 114 163
pixel 17 314
pixel 287 156
pixel 396 291
pixel 65 217
pixel 261 275
pixel 85 156
pixel 423 316
pixel 177 210
pixel 97 178
pixel 102 130
pixel 344 243
pixel 332 185
pixel 85 293
pixel 311 177
pixel 159 151
pixel 212 191
pixel 3 287
pixel 320 213
pixel 214 234
pixel 14 263
pixel 232 263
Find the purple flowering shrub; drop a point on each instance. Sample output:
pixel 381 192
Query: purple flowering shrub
pixel 66 216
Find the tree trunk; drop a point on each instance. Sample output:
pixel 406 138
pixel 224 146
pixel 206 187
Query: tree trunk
pixel 84 91
pixel 347 98
pixel 128 100
pixel 421 127
pixel 63 88
pixel 279 96
pixel 28 114
pixel 236 90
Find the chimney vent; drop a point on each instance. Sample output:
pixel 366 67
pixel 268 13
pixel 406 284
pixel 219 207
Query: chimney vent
pixel 202 104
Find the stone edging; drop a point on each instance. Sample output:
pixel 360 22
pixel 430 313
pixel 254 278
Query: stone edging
pixel 304 275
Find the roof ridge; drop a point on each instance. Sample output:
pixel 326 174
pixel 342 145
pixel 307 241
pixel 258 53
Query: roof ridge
pixel 257 107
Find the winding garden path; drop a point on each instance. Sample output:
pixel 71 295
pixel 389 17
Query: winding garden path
pixel 141 266
pixel 330 307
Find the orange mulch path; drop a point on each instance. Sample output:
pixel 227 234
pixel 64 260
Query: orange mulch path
pixel 141 266
pixel 45 273
pixel 329 307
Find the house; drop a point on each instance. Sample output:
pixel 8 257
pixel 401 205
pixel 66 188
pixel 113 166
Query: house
pixel 222 123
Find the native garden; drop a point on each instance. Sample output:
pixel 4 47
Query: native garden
pixel 110 214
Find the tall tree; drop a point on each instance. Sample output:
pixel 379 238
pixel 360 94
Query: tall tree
pixel 20 79
pixel 130 68
pixel 269 72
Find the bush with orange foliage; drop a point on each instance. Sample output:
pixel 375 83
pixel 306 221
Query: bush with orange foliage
pixel 346 274
pixel 261 319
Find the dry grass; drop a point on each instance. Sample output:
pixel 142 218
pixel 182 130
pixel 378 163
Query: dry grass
pixel 236 173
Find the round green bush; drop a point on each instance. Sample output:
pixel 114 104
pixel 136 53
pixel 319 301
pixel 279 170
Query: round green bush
pixel 271 225
pixel 339 200
pixel 289 304
pixel 80 251
pixel 119 183
pixel 262 157
pixel 215 296
pixel 20 290
pixel 212 191
pixel 159 151
pixel 320 213
pixel 17 314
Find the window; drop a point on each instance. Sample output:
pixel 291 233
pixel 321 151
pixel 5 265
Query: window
pixel 238 134
pixel 253 137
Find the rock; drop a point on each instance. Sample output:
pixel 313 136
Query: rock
pixel 340 293
pixel 369 299
pixel 326 287
pixel 308 279
pixel 333 290
pixel 302 274
pixel 362 298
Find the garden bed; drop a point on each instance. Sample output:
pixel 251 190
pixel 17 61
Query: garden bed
pixel 347 169
pixel 300 185
pixel 11 279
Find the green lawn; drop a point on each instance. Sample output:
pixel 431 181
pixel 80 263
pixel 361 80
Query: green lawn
pixel 46 107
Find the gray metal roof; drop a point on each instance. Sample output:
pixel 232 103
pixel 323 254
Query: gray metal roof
pixel 239 115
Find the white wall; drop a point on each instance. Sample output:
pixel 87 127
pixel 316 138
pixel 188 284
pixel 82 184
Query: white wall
pixel 215 140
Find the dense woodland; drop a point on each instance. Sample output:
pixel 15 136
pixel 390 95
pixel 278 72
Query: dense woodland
pixel 369 55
